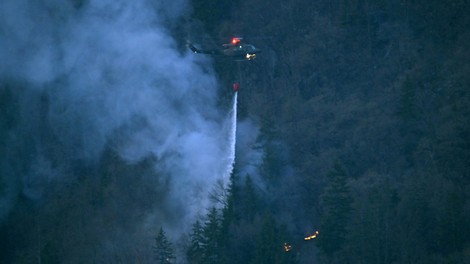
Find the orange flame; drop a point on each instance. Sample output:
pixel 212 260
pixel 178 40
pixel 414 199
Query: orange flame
pixel 312 236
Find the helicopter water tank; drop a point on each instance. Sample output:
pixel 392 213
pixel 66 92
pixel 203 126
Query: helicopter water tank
pixel 236 86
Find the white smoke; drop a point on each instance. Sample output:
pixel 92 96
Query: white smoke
pixel 114 77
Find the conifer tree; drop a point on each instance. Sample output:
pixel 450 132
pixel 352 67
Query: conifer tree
pixel 211 238
pixel 195 250
pixel 163 249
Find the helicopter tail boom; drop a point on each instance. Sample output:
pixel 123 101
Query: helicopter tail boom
pixel 196 50
pixel 193 49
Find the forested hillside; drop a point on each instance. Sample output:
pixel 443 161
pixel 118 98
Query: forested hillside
pixel 370 100
pixel 353 141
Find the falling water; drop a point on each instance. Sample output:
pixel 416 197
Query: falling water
pixel 232 137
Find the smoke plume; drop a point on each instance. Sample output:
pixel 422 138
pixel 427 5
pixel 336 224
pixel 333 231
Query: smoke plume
pixel 78 78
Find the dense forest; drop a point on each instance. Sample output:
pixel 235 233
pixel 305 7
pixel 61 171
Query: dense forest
pixel 370 101
pixel 361 123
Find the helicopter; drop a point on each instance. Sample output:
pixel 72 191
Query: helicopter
pixel 235 49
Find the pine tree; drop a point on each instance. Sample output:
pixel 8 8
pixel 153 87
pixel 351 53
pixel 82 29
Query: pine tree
pixel 211 238
pixel 195 250
pixel 163 249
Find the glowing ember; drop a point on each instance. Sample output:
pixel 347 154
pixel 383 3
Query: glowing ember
pixel 312 236
pixel 287 247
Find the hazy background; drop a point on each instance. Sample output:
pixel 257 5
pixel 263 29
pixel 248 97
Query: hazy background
pixel 86 87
